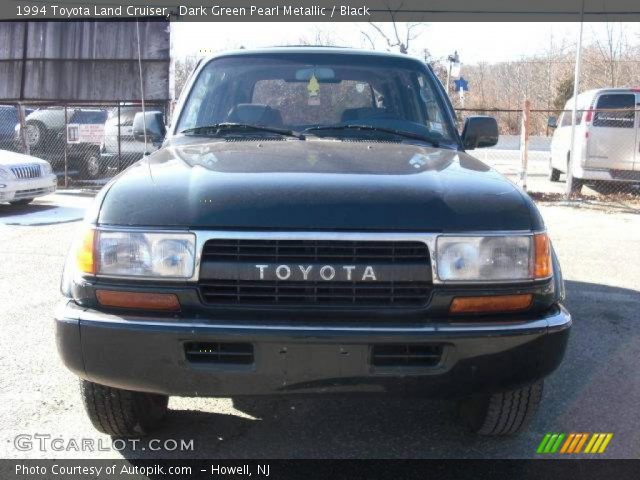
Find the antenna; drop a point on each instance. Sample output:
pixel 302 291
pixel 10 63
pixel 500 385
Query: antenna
pixel 144 115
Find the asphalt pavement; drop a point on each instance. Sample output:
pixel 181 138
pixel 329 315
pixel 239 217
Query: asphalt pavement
pixel 596 389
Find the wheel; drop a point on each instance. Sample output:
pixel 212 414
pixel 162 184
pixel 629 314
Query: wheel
pixel 122 413
pixel 504 413
pixel 554 175
pixel 92 167
pixel 24 201
pixel 35 134
pixel 576 186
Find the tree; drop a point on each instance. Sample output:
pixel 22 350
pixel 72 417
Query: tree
pixel 400 36
pixel 182 69
pixel 611 49
pixel 563 93
pixel 320 37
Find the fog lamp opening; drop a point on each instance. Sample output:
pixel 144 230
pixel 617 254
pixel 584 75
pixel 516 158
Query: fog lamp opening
pixel 491 304
pixel 138 300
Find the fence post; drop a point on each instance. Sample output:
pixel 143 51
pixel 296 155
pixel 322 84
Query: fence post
pixel 23 130
pixel 524 143
pixel 119 143
pixel 66 144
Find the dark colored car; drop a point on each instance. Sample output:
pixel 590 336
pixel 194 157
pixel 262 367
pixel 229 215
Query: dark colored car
pixel 312 225
pixel 45 134
pixel 9 119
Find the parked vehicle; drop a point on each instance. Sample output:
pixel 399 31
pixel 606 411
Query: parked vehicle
pixel 607 138
pixel 23 178
pixel 45 135
pixel 119 149
pixel 9 119
pixel 312 225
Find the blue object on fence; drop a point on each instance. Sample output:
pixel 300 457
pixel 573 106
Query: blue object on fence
pixel 461 84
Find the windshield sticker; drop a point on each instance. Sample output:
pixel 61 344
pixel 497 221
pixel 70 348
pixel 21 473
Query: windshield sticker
pixel 360 87
pixel 436 127
pixel 314 90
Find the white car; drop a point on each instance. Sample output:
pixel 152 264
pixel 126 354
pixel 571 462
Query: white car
pixel 23 178
pixel 607 140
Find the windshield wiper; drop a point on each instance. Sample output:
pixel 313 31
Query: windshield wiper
pixel 392 131
pixel 231 127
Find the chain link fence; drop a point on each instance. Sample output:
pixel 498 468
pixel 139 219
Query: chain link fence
pixel 85 144
pixel 535 144
pixel 88 144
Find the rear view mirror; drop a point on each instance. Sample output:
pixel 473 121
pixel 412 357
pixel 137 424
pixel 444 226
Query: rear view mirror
pixel 322 74
pixel 152 123
pixel 479 131
pixel 552 122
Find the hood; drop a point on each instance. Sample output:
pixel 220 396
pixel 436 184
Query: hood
pixel 51 117
pixel 315 184
pixel 8 158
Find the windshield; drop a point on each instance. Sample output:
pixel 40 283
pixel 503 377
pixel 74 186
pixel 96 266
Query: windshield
pixel 304 92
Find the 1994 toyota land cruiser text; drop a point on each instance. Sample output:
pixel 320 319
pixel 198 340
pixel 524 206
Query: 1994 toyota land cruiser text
pixel 312 225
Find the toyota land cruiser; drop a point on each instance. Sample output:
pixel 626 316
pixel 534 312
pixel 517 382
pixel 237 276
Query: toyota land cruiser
pixel 312 225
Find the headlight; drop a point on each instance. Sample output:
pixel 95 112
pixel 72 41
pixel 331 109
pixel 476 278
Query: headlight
pixel 4 174
pixel 493 258
pixel 137 254
pixel 45 168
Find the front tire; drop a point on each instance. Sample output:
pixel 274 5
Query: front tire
pixel 504 413
pixel 122 413
pixel 554 173
pixel 35 134
pixel 576 186
pixel 92 167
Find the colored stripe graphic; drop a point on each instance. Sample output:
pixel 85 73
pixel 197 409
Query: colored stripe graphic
pixel 573 443
pixel 567 443
pixel 607 439
pixel 543 443
pixel 581 443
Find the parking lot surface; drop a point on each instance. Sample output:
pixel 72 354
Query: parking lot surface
pixel 596 389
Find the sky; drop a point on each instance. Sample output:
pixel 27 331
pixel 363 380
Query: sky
pixel 475 42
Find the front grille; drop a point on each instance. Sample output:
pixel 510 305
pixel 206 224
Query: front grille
pixel 311 251
pixel 27 171
pixel 320 293
pixel 214 352
pixel 412 355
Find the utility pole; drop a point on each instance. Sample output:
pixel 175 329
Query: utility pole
pixel 451 59
pixel 576 89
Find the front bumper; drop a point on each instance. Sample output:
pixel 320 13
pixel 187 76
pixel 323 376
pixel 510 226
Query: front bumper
pixel 608 175
pixel 148 354
pixel 27 188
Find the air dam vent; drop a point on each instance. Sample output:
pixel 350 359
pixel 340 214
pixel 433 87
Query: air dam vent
pixel 337 294
pixel 227 353
pixel 402 355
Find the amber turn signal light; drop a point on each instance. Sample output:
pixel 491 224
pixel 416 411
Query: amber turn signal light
pixel 138 300
pixel 491 304
pixel 542 267
pixel 84 255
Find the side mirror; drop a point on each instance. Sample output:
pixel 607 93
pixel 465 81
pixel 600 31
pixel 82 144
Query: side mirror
pixel 479 131
pixel 552 122
pixel 154 123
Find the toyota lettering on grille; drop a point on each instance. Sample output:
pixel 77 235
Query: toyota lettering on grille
pixel 314 272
